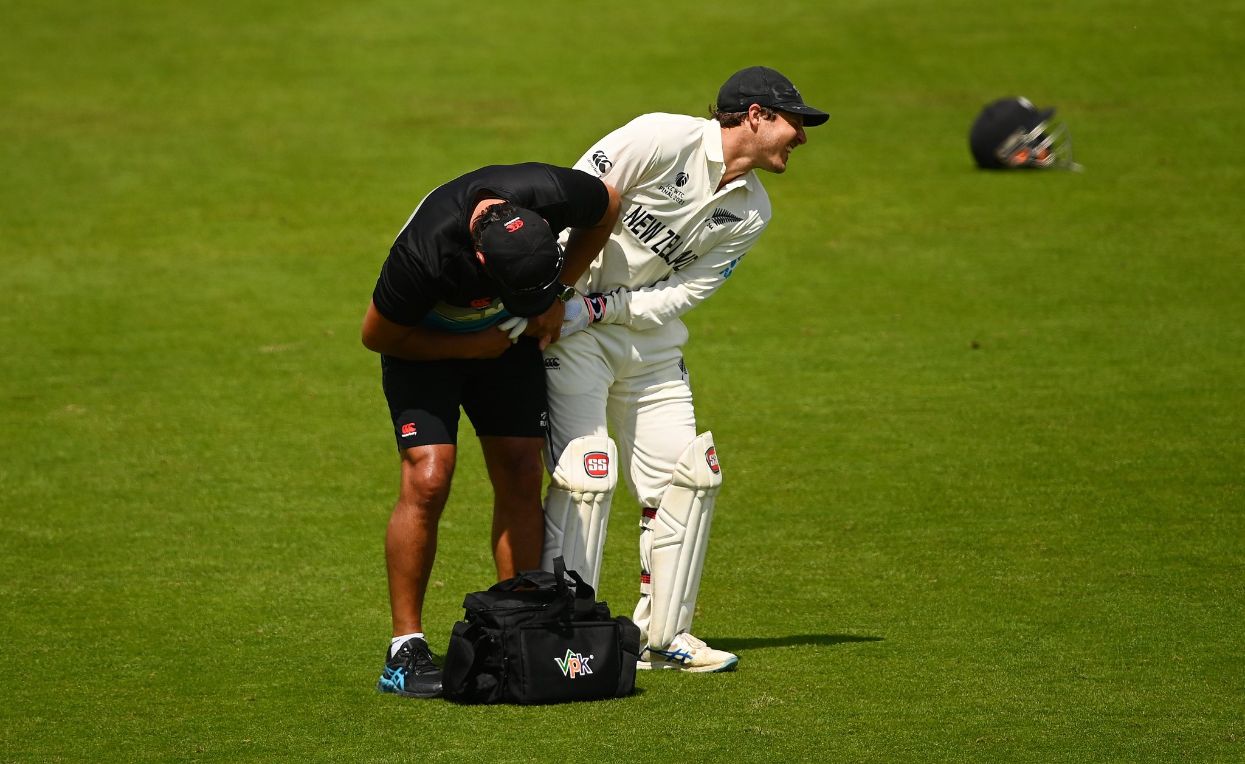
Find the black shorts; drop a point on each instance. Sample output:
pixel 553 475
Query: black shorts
pixel 503 396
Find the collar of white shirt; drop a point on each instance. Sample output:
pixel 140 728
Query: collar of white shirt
pixel 712 144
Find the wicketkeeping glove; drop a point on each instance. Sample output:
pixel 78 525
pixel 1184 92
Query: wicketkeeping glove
pixel 582 312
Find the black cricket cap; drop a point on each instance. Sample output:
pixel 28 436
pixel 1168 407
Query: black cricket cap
pixel 766 87
pixel 523 257
pixel 998 121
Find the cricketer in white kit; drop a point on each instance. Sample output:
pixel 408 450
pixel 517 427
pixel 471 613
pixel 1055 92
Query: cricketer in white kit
pixel 692 207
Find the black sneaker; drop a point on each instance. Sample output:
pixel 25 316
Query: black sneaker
pixel 411 672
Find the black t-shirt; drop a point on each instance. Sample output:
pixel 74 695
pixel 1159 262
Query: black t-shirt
pixel 433 260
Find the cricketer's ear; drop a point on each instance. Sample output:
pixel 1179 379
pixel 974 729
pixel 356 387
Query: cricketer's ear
pixel 756 115
pixel 584 244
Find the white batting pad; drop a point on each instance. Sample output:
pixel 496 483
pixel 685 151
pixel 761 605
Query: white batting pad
pixel 577 507
pixel 673 541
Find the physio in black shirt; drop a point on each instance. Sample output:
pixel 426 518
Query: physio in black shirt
pixel 477 251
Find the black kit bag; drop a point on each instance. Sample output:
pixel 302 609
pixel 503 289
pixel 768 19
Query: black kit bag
pixel 540 637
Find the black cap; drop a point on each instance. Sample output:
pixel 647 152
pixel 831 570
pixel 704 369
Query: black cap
pixel 766 87
pixel 999 121
pixel 524 258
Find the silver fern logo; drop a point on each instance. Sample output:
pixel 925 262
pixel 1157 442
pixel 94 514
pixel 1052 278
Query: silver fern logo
pixel 721 217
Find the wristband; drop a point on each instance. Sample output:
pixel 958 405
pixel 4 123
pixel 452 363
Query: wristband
pixel 596 306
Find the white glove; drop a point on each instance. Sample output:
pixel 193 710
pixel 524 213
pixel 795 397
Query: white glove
pixel 576 317
pixel 515 326
pixel 583 312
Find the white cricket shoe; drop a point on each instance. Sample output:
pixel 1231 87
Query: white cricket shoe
pixel 687 653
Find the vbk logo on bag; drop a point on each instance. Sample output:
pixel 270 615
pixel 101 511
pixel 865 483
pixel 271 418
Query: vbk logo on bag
pixel 597 464
pixel 711 458
pixel 574 664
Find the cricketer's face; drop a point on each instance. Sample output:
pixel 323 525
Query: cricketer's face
pixel 777 138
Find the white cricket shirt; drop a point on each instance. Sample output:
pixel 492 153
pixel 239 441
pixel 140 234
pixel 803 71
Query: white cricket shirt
pixel 678 237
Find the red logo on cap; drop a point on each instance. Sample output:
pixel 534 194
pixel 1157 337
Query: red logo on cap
pixel 514 225
pixel 408 429
pixel 711 458
pixel 483 302
pixel 597 464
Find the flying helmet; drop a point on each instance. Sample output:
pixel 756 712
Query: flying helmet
pixel 1011 133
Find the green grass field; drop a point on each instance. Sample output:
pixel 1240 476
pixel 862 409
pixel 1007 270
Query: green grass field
pixel 982 433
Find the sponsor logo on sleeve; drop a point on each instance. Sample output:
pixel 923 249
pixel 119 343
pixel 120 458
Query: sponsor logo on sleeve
pixel 602 162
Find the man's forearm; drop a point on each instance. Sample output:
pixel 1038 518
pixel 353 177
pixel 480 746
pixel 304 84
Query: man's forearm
pixel 421 343
pixel 584 244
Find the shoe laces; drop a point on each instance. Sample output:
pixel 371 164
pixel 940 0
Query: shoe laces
pixel 419 657
pixel 688 641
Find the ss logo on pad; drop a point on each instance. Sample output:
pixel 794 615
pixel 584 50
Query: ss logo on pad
pixel 597 464
pixel 711 458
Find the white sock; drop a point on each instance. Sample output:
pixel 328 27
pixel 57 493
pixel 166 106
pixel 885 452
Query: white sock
pixel 397 642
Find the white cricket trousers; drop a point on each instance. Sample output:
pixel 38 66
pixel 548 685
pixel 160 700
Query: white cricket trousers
pixel 635 384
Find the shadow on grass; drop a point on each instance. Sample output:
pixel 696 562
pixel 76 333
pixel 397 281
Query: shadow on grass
pixel 755 643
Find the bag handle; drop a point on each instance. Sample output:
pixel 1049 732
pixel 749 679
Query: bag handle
pixel 528 579
pixel 568 605
pixel 559 573
pixel 584 601
pixel 566 596
pixel 539 579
